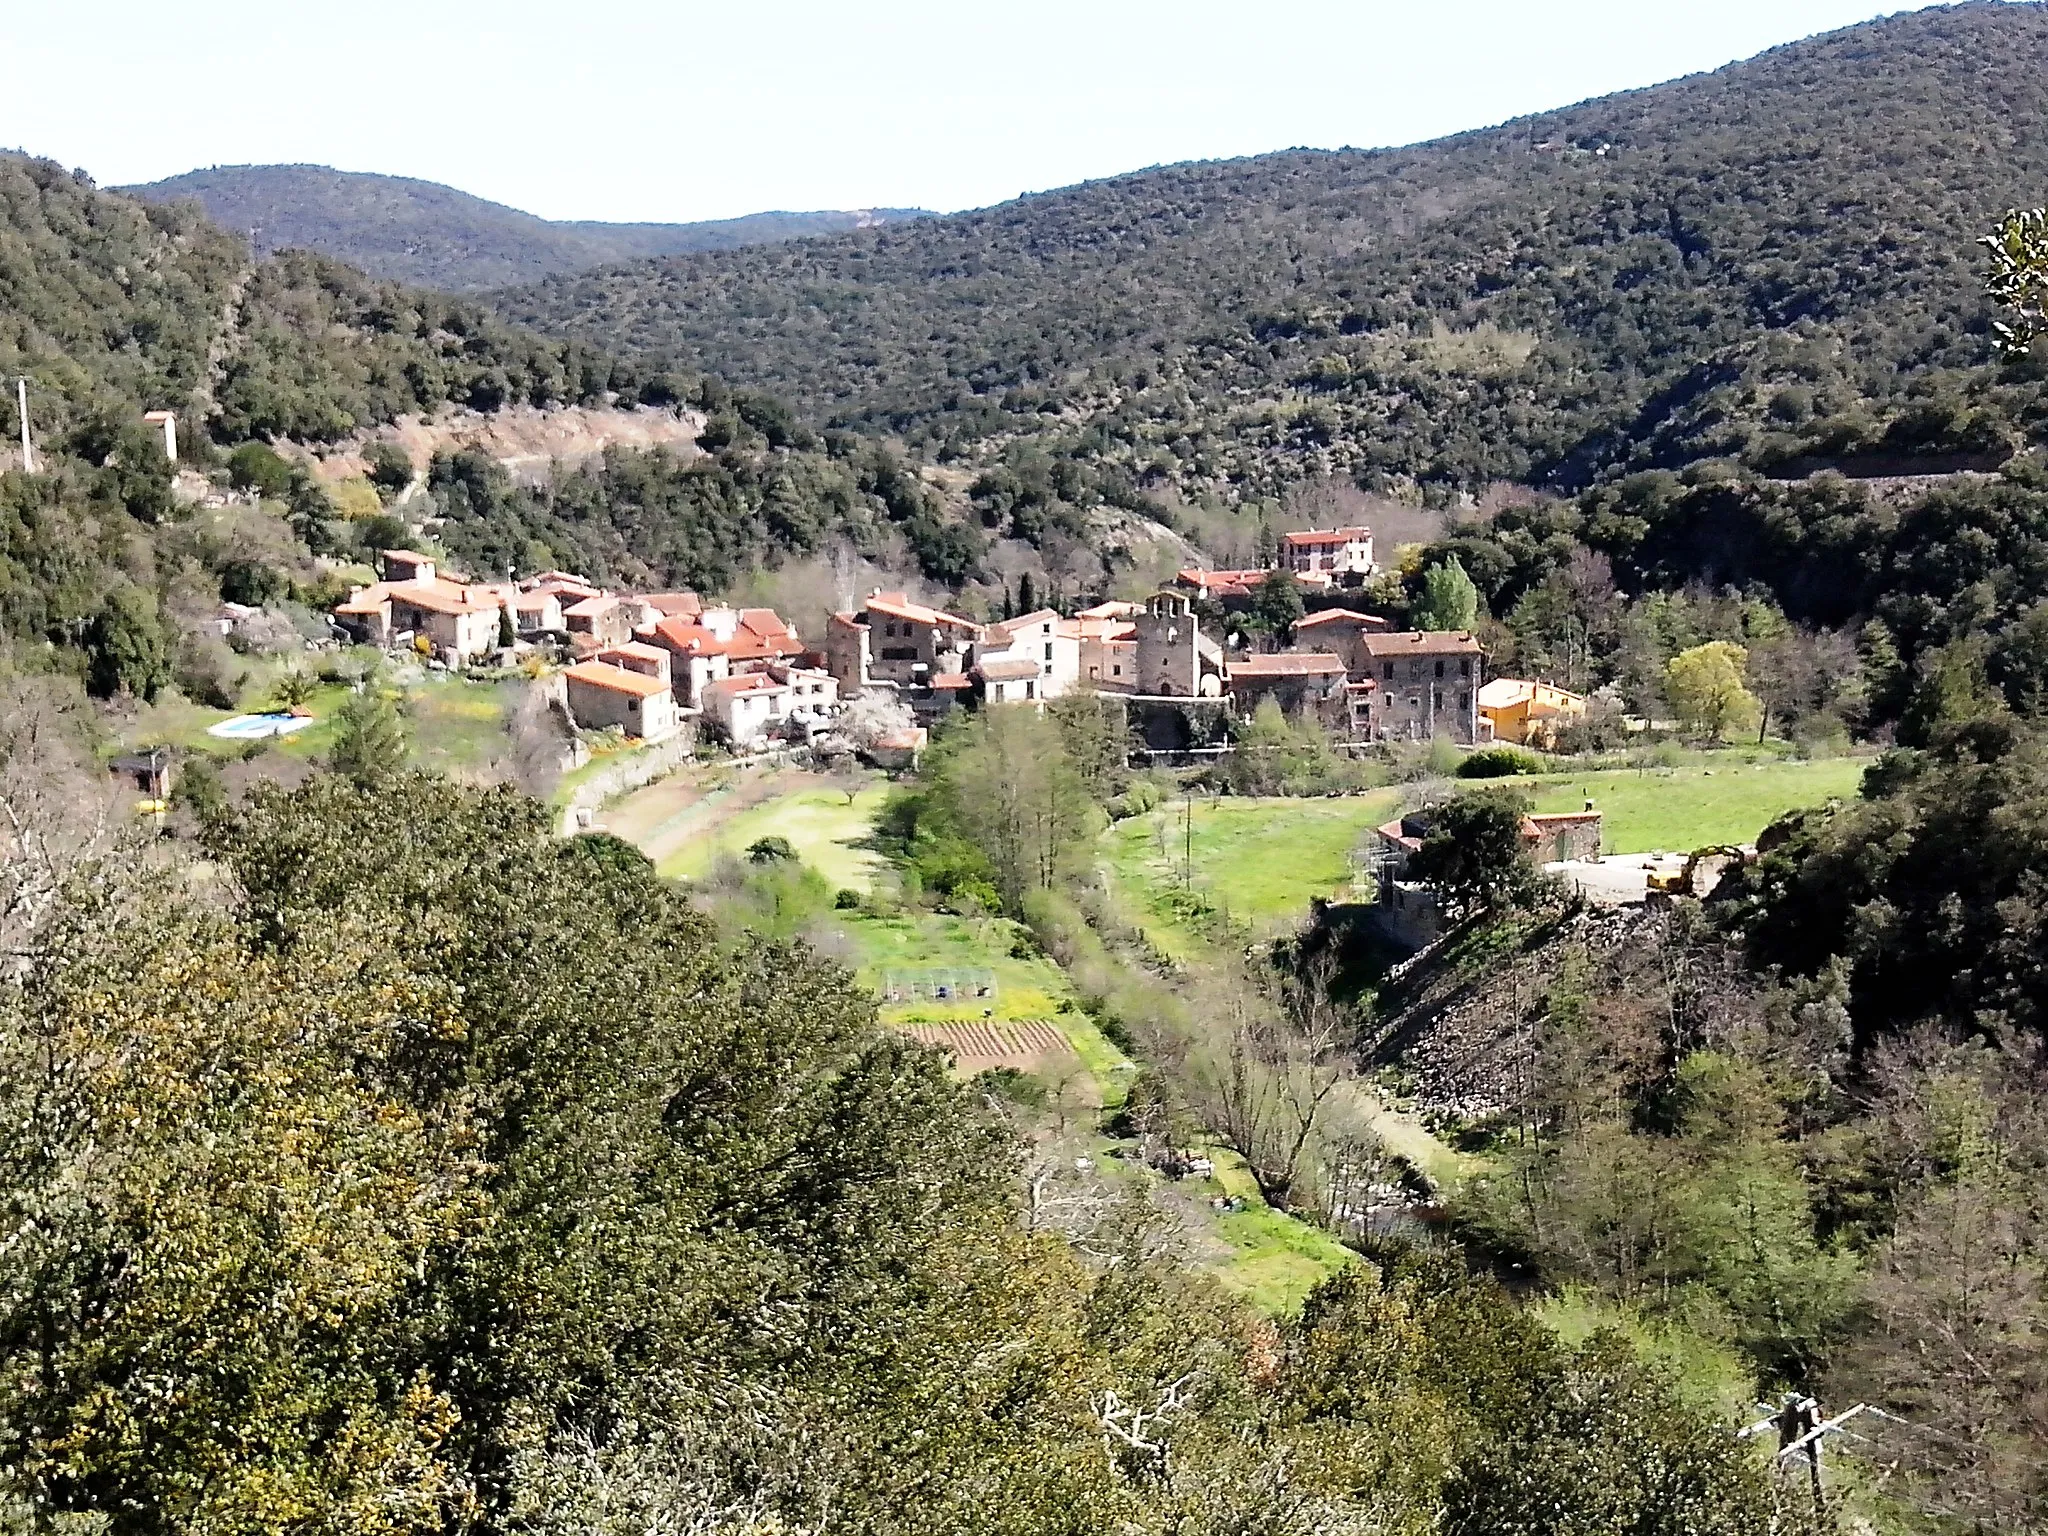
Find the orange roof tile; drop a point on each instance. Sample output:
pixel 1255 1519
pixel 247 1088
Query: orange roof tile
pixel 1414 642
pixel 437 597
pixel 600 674
pixel 1341 616
pixel 897 606
pixel 1287 664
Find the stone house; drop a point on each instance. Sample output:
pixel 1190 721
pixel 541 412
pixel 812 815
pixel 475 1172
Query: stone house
pixel 1106 654
pixel 602 696
pixel 459 620
pixel 1301 683
pixel 1341 631
pixel 596 622
pixel 890 639
pixel 1426 684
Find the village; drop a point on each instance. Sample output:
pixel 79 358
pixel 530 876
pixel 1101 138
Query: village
pixel 650 665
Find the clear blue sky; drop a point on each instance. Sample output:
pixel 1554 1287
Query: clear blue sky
pixel 636 109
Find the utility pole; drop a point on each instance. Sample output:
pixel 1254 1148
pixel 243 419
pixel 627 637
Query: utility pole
pixel 1800 1432
pixel 28 452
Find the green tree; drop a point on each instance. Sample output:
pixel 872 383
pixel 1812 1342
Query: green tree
pixel 1706 689
pixel 1474 855
pixel 369 738
pixel 258 467
pixel 1276 604
pixel 293 688
pixel 2018 278
pixel 389 467
pixel 1449 600
pixel 125 646
pixel 1007 787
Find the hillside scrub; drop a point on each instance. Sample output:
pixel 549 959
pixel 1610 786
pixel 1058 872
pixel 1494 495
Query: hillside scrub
pixel 438 1171
pixel 1568 296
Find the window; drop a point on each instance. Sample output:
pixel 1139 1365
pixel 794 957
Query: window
pixel 899 653
pixel 1439 668
pixel 1117 670
pixel 1031 690
pixel 1048 650
pixel 1465 667
pixel 1389 673
pixel 1464 701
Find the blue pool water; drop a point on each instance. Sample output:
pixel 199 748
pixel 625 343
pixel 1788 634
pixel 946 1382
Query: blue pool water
pixel 256 727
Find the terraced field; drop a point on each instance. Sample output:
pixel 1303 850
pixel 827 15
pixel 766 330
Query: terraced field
pixel 1026 1044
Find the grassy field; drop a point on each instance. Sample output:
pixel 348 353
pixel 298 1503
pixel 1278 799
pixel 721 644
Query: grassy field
pixel 1259 862
pixel 1255 861
pixel 1679 809
pixel 1710 1374
pixel 1278 1259
pixel 824 827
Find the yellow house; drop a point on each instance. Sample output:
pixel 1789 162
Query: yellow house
pixel 1527 712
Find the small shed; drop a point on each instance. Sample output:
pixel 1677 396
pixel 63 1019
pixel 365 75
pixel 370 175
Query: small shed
pixel 150 770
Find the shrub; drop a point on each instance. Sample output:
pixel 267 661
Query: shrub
pixel 1499 762
pixel 846 900
pixel 770 850
pixel 257 467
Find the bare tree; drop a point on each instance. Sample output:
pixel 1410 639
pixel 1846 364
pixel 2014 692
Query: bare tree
pixel 1268 1079
pixel 56 812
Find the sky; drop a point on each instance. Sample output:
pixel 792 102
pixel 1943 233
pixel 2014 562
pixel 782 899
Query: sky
pixel 638 110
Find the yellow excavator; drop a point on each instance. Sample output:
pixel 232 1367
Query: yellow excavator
pixel 1683 882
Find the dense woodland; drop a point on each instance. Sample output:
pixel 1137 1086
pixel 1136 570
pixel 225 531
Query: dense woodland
pixel 388 1164
pixel 436 237
pixel 1772 261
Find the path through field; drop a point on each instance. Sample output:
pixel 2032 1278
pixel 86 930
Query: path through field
pixel 687 820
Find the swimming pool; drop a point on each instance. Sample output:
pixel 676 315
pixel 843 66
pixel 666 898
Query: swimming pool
pixel 256 727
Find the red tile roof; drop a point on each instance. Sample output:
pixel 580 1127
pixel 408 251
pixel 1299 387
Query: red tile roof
pixel 745 682
pixel 1341 616
pixel 1309 537
pixel 759 634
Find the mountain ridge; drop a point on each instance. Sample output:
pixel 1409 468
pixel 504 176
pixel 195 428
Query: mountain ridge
pixel 410 230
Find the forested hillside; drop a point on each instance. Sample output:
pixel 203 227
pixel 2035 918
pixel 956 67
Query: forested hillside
pixel 421 232
pixel 110 307
pixel 110 304
pixel 1773 261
